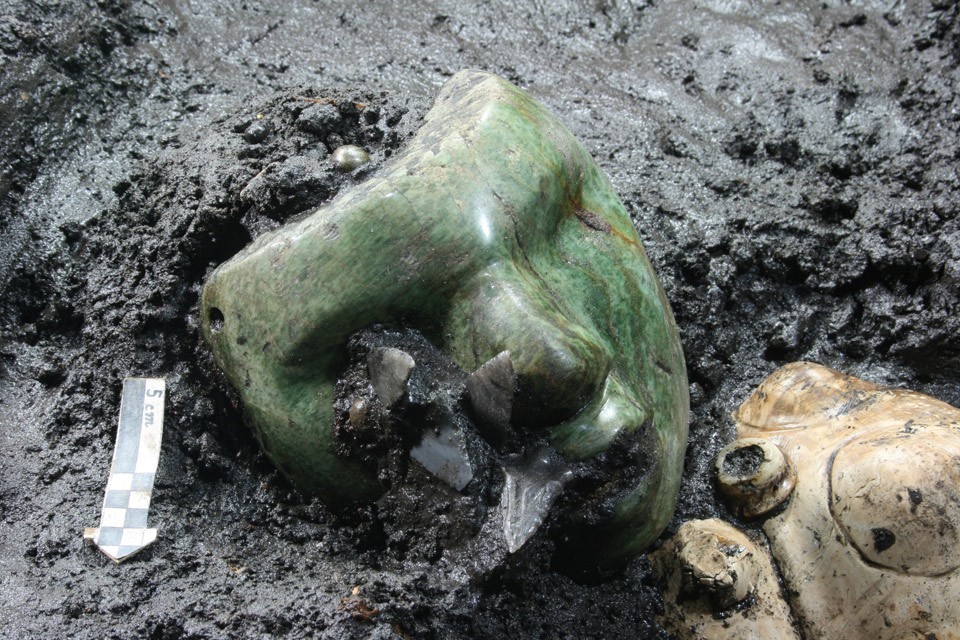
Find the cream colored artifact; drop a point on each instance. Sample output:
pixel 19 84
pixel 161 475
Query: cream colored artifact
pixel 719 585
pixel 868 542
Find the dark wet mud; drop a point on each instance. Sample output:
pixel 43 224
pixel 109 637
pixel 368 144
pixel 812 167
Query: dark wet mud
pixel 791 170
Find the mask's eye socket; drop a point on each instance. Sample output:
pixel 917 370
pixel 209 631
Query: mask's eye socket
pixel 897 499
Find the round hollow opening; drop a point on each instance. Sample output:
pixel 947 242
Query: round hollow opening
pixel 744 462
pixel 215 318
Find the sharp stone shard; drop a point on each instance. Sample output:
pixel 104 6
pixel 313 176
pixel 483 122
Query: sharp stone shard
pixel 444 454
pixel 389 371
pixel 490 390
pixel 529 492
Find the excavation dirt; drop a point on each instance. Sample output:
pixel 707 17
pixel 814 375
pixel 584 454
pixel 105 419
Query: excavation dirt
pixel 791 170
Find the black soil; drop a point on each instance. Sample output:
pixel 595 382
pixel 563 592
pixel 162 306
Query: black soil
pixel 791 169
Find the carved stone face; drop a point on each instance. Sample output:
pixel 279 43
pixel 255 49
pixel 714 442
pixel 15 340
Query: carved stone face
pixel 868 542
pixel 493 232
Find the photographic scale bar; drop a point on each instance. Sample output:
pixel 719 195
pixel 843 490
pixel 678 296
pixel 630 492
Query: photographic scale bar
pixel 123 520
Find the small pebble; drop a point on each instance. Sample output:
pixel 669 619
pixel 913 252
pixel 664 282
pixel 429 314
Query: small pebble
pixel 349 157
pixel 257 132
pixel 358 411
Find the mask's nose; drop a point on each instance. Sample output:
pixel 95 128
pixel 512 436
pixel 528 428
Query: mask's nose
pixel 559 363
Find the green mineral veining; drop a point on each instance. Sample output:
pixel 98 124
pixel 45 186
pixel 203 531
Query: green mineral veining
pixel 493 231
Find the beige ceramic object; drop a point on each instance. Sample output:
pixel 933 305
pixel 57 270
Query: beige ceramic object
pixel 868 542
pixel 719 585
pixel 755 475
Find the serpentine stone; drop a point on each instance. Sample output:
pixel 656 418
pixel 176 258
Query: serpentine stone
pixel 493 231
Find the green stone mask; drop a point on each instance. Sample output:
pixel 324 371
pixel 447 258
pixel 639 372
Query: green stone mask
pixel 493 231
